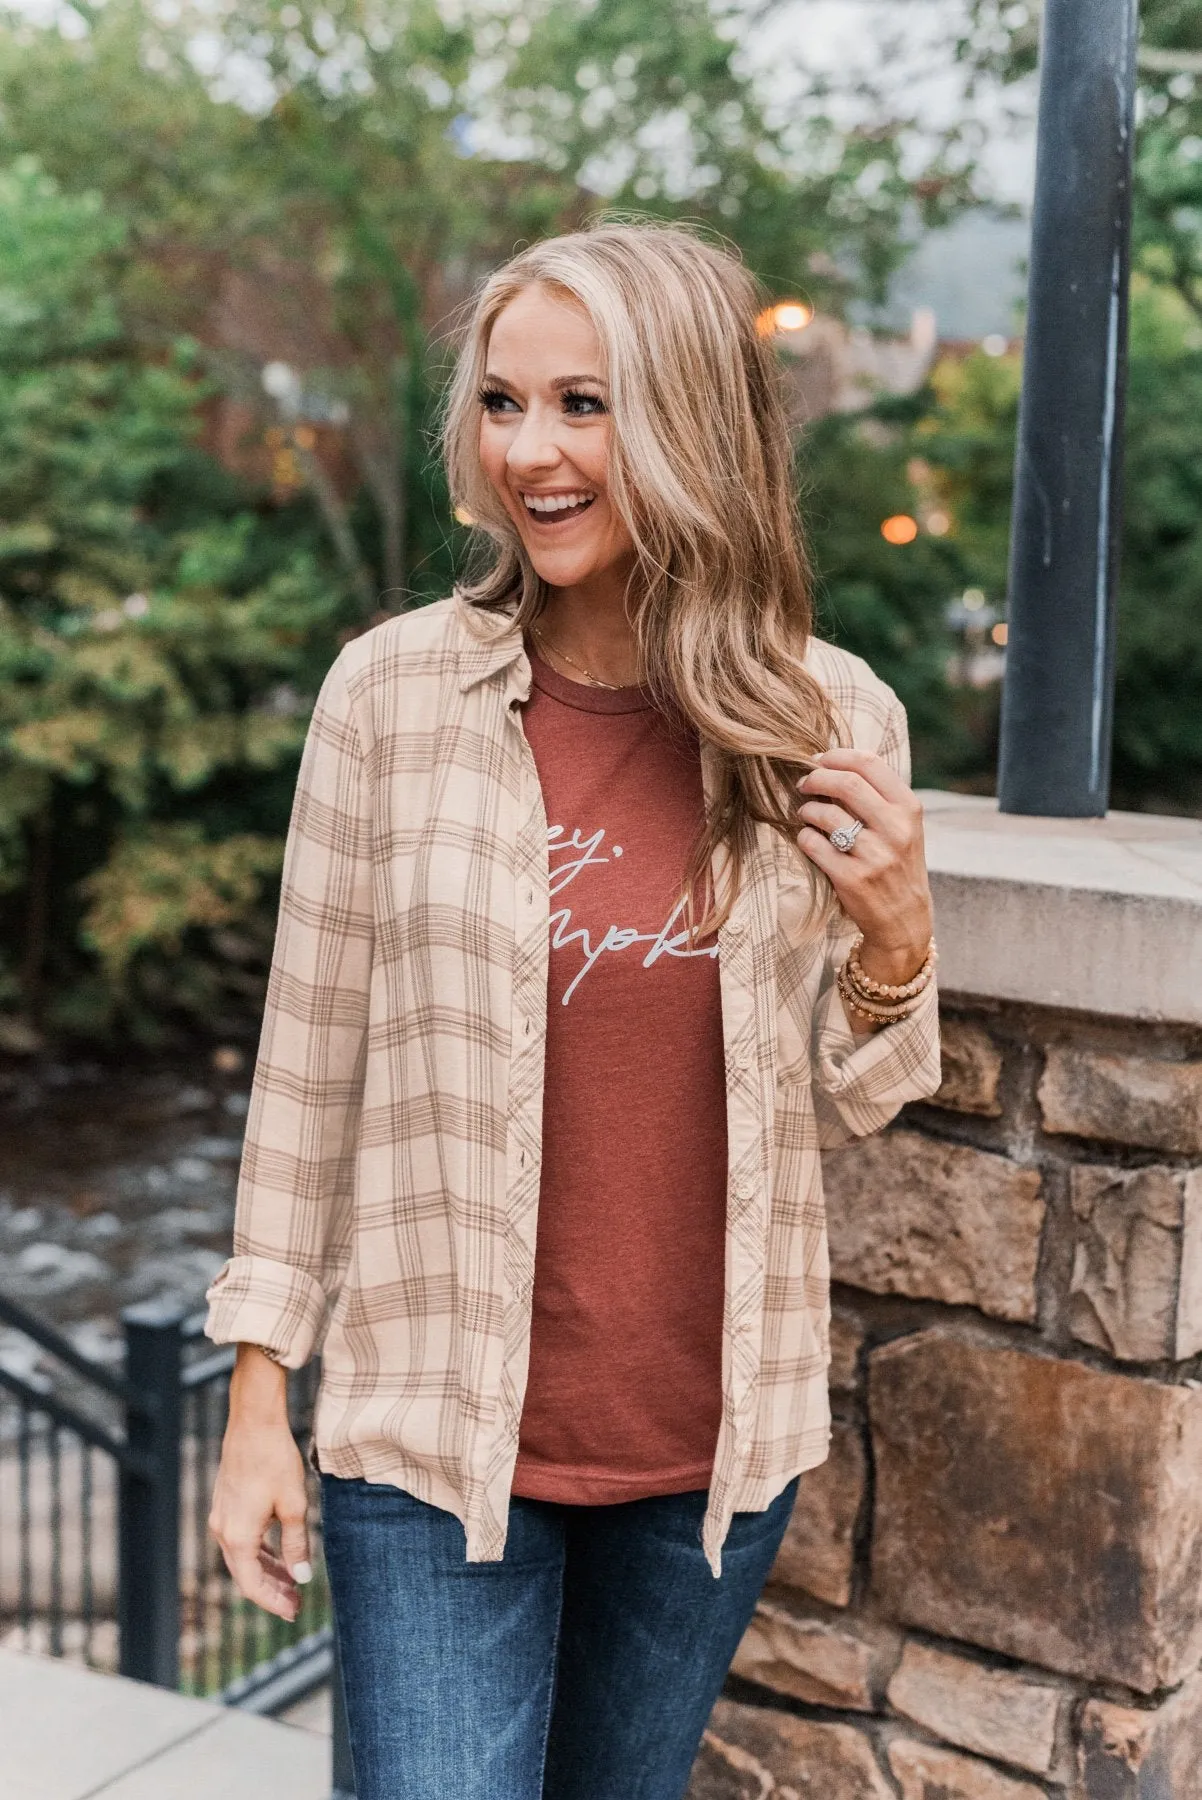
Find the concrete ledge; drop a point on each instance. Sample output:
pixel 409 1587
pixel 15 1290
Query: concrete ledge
pixel 1094 915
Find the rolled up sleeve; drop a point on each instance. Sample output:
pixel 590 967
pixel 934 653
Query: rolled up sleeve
pixel 860 1083
pixel 292 1217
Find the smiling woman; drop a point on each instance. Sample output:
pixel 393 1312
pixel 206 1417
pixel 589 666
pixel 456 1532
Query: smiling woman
pixel 626 365
pixel 545 447
pixel 604 909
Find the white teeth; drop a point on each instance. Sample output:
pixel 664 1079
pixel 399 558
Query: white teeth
pixel 550 503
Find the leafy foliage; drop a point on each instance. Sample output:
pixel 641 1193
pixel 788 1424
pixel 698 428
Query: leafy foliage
pixel 956 442
pixel 159 642
pixel 948 449
pixel 165 622
pixel 1158 699
pixel 287 231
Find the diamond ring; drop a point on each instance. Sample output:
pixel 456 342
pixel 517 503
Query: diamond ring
pixel 844 836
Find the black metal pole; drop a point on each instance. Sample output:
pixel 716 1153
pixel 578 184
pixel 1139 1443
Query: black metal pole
pixel 1057 704
pixel 148 1610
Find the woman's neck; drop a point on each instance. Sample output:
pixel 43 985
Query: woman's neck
pixel 588 629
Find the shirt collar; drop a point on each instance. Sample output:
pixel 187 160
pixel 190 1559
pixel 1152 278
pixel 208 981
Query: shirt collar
pixel 490 641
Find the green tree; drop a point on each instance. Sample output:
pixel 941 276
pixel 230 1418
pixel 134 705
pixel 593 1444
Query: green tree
pixel 1158 718
pixel 954 443
pixel 886 602
pixel 1158 699
pixel 945 455
pixel 997 45
pixel 379 157
pixel 165 623
pixel 159 642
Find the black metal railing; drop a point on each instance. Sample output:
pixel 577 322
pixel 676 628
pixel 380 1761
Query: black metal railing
pixel 105 1484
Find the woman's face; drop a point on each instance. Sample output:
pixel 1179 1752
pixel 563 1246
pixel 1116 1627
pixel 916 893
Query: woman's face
pixel 544 438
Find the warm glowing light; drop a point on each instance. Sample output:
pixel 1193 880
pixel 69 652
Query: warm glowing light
pixel 938 524
pixel 999 633
pixel 305 437
pixel 788 315
pixel 792 315
pixel 900 529
pixel 464 516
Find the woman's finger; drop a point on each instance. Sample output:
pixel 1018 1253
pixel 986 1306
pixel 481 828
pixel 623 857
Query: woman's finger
pixel 281 1569
pixel 874 769
pixel 854 793
pixel 822 853
pixel 825 815
pixel 255 1584
pixel 294 1538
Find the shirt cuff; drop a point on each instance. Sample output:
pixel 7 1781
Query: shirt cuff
pixel 256 1300
pixel 867 1080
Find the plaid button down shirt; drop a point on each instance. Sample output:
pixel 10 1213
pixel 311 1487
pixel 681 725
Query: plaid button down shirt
pixel 389 1184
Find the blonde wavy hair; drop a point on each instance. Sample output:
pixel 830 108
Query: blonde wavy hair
pixel 701 473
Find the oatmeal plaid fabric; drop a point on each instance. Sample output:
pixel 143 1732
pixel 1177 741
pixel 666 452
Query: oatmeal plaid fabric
pixel 390 1177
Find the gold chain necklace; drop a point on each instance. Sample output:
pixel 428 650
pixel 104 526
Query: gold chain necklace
pixel 614 687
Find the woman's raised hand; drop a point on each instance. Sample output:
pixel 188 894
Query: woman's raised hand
pixel 881 882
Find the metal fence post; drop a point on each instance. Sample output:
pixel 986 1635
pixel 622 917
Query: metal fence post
pixel 148 1605
pixel 343 1770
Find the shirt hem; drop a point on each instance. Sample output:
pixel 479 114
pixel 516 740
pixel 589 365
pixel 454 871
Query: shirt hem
pixel 572 1488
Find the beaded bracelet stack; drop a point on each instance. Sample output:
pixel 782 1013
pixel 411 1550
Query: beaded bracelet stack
pixel 878 1001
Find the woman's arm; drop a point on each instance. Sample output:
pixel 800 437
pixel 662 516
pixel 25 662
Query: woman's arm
pixel 292 1218
pixel 291 1224
pixel 261 1478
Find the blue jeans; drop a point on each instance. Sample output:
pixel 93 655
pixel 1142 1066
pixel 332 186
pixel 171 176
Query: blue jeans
pixel 582 1666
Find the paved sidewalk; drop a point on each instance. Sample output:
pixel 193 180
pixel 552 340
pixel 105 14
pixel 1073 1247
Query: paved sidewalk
pixel 69 1734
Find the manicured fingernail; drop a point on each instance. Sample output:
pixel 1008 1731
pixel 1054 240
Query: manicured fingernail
pixel 302 1572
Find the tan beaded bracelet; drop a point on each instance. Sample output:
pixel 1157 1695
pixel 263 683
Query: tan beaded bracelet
pixel 882 990
pixel 880 1015
pixel 879 1001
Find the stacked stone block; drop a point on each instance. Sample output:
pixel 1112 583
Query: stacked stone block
pixel 993 1588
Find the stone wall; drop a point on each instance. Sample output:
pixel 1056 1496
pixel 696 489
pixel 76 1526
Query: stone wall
pixel 993 1588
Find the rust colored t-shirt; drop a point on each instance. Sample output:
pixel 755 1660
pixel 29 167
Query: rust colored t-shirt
pixel 624 1392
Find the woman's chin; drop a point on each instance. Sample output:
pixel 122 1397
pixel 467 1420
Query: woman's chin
pixel 566 568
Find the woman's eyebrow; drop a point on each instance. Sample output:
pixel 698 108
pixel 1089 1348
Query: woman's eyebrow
pixel 558 385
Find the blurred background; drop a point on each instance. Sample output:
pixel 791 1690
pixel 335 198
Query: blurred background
pixel 233 239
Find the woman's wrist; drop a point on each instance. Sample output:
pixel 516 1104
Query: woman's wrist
pixel 872 1003
pixel 258 1387
pixel 893 964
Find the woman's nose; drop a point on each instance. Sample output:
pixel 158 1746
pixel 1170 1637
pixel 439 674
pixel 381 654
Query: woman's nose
pixel 533 446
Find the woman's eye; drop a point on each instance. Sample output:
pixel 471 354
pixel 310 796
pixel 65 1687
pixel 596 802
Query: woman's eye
pixel 494 401
pixel 583 406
